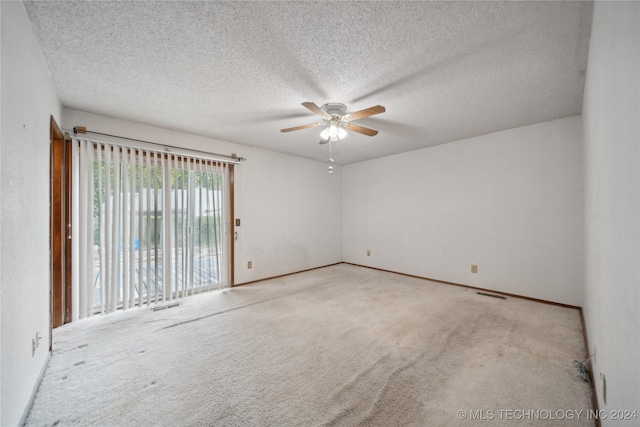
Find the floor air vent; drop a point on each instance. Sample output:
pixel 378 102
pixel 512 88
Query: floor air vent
pixel 164 307
pixel 491 295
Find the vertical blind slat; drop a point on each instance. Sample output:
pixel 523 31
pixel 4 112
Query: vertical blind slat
pixel 130 302
pixel 141 201
pixel 116 239
pixel 125 228
pixel 199 217
pixel 176 213
pixel 147 188
pixel 210 214
pixel 185 225
pixel 101 225
pixel 167 242
pixel 190 207
pixel 155 227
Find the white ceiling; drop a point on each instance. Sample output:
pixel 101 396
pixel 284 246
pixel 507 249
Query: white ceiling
pixel 238 71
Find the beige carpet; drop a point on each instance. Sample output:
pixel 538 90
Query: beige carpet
pixel 337 346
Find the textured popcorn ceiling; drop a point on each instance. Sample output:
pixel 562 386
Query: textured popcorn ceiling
pixel 238 71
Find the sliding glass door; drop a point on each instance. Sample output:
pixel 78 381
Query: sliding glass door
pixel 153 226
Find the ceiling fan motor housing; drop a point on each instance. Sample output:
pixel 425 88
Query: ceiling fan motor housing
pixel 335 109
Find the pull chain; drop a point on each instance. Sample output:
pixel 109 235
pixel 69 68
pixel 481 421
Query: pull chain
pixel 330 169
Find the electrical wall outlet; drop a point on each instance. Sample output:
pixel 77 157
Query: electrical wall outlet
pixel 35 343
pixel 368 253
pixel 474 268
pixel 249 264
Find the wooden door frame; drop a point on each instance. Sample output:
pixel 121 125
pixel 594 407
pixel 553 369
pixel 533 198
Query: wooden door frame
pixel 60 226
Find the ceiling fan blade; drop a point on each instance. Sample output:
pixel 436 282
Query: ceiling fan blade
pixel 361 129
pixel 312 125
pixel 366 113
pixel 317 110
pixel 324 141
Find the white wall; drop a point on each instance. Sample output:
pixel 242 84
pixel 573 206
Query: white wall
pixel 291 211
pixel 611 115
pixel 510 202
pixel 289 207
pixel 28 101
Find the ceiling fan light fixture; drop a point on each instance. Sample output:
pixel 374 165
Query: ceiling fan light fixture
pixel 333 129
pixel 333 133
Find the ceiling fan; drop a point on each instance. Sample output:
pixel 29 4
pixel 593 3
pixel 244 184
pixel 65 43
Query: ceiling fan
pixel 336 119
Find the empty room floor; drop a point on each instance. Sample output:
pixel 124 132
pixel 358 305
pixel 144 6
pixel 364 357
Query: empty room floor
pixel 336 346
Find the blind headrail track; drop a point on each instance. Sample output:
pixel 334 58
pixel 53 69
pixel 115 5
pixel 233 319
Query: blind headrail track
pixel 169 149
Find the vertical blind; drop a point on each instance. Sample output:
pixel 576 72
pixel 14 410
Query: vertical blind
pixel 152 226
